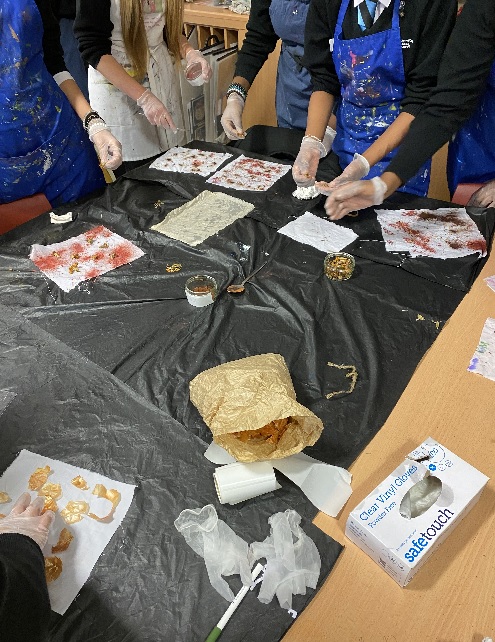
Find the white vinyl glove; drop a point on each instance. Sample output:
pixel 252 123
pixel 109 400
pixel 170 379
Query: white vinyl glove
pixel 306 163
pixel 224 552
pixel 194 55
pixel 232 117
pixel 328 138
pixel 25 518
pixel 484 196
pixel 155 111
pixel 354 196
pixel 107 147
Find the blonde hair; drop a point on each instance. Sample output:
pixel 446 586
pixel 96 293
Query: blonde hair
pixel 134 33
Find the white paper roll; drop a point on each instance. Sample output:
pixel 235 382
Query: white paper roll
pixel 237 482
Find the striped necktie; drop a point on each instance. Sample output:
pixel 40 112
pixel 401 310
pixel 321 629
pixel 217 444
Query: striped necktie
pixel 366 14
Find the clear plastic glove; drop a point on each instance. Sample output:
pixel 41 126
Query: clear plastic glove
pixel 358 168
pixel 232 117
pixel 328 138
pixel 484 196
pixel 306 163
pixel 224 552
pixel 25 518
pixel 293 561
pixel 355 196
pixel 107 147
pixel 155 111
pixel 194 55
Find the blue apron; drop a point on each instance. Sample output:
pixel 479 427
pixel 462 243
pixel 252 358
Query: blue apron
pixel 371 74
pixel 471 156
pixel 293 88
pixel 43 145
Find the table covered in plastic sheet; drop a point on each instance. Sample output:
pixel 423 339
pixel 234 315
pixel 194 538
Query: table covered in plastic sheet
pixel 101 377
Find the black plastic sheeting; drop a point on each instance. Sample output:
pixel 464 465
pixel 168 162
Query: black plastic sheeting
pixel 135 323
pixel 148 584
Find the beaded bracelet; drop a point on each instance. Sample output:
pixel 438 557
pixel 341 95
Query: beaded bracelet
pixel 236 88
pixel 91 115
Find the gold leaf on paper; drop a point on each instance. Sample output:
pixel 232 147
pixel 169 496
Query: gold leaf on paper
pixel 50 504
pixel 51 490
pixel 74 511
pixel 80 482
pixel 112 495
pixel 64 540
pixel 4 498
pixel 39 477
pixel 53 568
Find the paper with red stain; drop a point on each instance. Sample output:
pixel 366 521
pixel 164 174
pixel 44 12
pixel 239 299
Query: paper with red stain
pixel 445 233
pixel 84 257
pixel 249 174
pixel 190 161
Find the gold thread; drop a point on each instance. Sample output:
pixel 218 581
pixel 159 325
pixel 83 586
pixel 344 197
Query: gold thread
pixel 352 375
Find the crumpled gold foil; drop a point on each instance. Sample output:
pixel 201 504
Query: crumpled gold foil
pixel 74 511
pixel 64 540
pixel 53 568
pixel 39 477
pixel 112 495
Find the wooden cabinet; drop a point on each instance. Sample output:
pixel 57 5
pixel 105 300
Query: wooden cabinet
pixel 231 28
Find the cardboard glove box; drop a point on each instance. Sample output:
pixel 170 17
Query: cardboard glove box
pixel 407 516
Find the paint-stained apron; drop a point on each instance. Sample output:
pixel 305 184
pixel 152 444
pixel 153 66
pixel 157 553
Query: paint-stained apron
pixel 371 74
pixel 140 140
pixel 471 157
pixel 43 145
pixel 293 88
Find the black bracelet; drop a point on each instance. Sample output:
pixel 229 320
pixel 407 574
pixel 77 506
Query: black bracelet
pixel 91 115
pixel 236 88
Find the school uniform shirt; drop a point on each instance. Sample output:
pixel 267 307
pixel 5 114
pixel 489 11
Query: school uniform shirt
pixel 466 65
pixel 53 54
pixel 425 26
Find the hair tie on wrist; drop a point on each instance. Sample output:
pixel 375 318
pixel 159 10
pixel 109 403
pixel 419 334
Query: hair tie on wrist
pixel 236 88
pixel 91 115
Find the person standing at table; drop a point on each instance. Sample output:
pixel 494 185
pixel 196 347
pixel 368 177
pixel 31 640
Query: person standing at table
pixel 466 89
pixel 379 60
pixel 43 146
pixel 270 21
pixel 24 602
pixel 133 76
pixel 65 12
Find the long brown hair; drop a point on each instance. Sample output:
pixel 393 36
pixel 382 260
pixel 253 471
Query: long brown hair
pixel 134 33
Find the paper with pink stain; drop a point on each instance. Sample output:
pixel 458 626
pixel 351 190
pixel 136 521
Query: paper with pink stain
pixel 490 281
pixel 83 257
pixel 444 233
pixel 483 361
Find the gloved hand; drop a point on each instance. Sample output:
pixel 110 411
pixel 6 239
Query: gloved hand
pixel 25 518
pixel 232 117
pixel 357 169
pixel 328 138
pixel 306 163
pixel 155 111
pixel 107 147
pixel 484 196
pixel 194 55
pixel 355 196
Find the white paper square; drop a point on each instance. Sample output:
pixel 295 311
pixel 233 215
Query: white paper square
pixel 483 361
pixel 90 536
pixel 323 235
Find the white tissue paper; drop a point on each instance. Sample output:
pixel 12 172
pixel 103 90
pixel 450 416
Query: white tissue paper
pixel 321 234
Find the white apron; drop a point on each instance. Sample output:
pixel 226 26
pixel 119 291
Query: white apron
pixel 126 121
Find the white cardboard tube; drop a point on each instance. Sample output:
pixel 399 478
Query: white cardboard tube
pixel 237 482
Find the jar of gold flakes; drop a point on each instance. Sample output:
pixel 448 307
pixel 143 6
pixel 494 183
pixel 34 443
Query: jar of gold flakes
pixel 339 266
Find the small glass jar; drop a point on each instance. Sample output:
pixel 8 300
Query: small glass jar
pixel 194 74
pixel 201 290
pixel 339 266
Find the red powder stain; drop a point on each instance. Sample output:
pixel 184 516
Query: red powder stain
pixel 93 273
pixel 121 254
pixel 415 236
pixel 49 263
pixel 455 245
pixel 76 248
pixel 102 231
pixel 477 245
